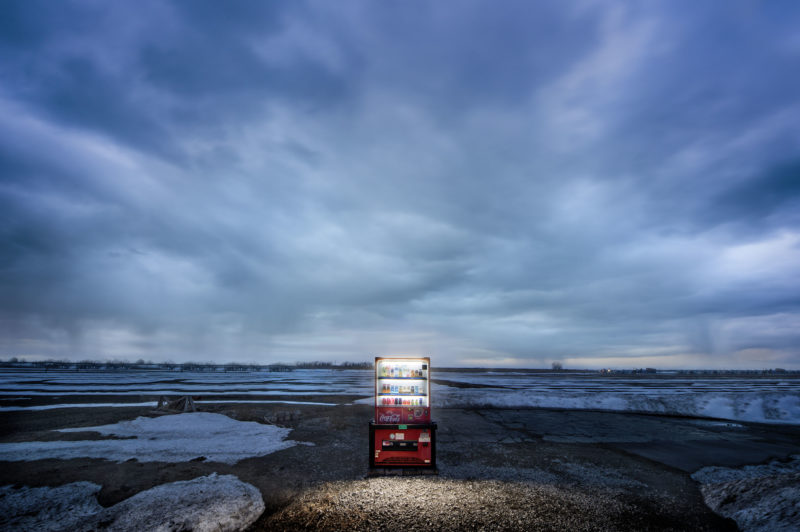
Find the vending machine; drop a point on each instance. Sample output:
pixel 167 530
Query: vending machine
pixel 402 434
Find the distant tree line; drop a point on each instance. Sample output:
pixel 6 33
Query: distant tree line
pixel 94 365
pixel 770 371
pixel 606 371
pixel 333 365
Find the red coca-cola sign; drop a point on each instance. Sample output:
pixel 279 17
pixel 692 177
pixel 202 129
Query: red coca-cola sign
pixel 389 416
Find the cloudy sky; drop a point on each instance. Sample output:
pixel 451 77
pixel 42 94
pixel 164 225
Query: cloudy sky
pixel 490 183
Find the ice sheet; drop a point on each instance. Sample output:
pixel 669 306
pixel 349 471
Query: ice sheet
pixel 742 398
pixel 760 498
pixel 779 406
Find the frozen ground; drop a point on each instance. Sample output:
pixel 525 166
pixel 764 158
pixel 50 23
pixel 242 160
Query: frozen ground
pixel 502 467
pixel 773 399
pixel 174 438
pixel 211 503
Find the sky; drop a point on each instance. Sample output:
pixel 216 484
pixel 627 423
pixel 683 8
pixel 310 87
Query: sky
pixel 502 184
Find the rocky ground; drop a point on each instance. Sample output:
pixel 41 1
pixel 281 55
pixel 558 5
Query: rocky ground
pixel 507 469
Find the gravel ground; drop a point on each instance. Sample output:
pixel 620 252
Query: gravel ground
pixel 448 504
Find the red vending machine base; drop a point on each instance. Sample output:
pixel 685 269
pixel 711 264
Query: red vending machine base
pixel 402 446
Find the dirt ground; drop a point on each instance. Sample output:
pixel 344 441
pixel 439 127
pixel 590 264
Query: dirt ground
pixel 511 469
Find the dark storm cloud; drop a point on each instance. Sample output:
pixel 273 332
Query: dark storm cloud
pixel 599 183
pixel 773 197
pixel 146 73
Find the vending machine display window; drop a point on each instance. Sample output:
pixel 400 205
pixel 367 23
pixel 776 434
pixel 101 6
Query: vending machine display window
pixel 402 390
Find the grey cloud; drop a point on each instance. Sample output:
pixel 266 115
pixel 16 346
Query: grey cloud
pixel 289 180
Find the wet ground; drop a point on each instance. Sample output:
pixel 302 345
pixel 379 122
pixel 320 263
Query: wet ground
pixel 498 468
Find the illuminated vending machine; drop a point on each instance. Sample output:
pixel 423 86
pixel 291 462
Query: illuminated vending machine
pixel 402 434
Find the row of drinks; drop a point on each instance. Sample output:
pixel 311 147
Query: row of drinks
pixel 402 401
pixel 404 389
pixel 402 372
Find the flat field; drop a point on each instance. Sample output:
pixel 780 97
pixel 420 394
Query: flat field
pixel 500 466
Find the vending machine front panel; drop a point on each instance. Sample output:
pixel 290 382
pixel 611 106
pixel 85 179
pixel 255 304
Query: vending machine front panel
pixel 403 445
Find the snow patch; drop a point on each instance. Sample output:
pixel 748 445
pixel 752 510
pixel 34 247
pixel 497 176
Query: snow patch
pixel 152 404
pixel 743 405
pixel 205 504
pixel 76 405
pixel 175 438
pixel 364 401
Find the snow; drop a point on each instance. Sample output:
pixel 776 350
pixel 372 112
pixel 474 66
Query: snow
pixel 75 405
pixel 365 401
pixel 205 504
pixel 265 401
pixel 298 382
pixel 760 498
pixel 153 404
pixel 173 438
pixel 734 399
pixel 740 398
pixel 213 503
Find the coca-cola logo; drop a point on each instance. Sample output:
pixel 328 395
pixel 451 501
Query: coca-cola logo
pixel 389 417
